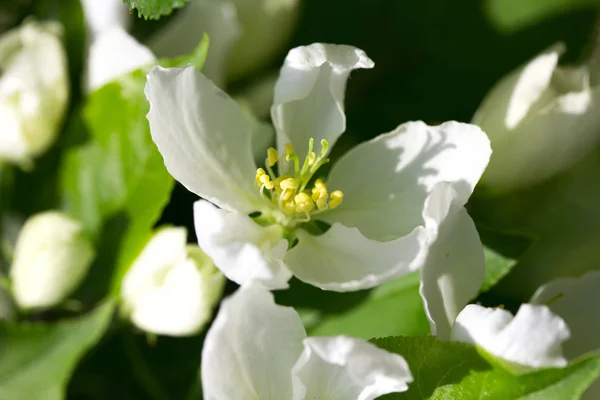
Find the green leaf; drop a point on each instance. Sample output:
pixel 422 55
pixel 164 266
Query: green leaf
pixel 116 183
pixel 513 15
pixel 394 308
pixel 457 371
pixel 37 360
pixel 502 251
pixel 154 9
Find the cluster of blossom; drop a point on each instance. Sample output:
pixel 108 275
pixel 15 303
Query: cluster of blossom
pixel 389 207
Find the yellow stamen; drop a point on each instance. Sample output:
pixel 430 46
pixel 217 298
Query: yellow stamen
pixel 289 183
pixel 289 207
pixel 303 203
pixel 291 194
pixel 287 194
pixel 259 173
pixel 264 178
pixel 269 185
pixel 272 156
pixel 336 199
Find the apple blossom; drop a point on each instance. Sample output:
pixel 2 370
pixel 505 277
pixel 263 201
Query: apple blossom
pixel 393 204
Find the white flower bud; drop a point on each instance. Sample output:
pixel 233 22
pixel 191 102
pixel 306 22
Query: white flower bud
pixel 105 14
pixel 34 90
pixel 540 119
pixel 172 287
pixel 113 54
pixel 245 35
pixel 51 258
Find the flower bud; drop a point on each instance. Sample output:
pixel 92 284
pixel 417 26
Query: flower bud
pixel 171 288
pixel 244 35
pixel 51 258
pixel 540 119
pixel 105 14
pixel 34 90
pixel 113 54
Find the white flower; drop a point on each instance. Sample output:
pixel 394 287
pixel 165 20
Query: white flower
pixel 112 54
pixel 34 90
pixel 256 349
pixel 171 288
pixel 395 201
pixel 541 119
pixel 52 256
pixel 529 340
pixel 240 31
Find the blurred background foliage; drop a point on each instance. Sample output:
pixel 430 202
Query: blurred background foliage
pixel 435 61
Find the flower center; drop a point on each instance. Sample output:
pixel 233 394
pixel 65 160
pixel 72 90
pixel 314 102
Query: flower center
pixel 292 194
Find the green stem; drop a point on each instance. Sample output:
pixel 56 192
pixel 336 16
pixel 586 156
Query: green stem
pixel 141 370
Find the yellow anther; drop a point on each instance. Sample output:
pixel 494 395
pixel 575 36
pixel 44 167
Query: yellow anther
pixel 289 207
pixel 289 183
pixel 287 195
pixel 321 201
pixel 259 173
pixel 303 203
pixel 272 156
pixel 289 149
pixel 291 194
pixel 318 193
pixel 336 199
pixel 269 185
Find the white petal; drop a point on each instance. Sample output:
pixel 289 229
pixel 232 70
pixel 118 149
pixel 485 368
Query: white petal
pixel 309 95
pixel 342 259
pixel 113 54
pixel 216 18
pixel 343 368
pixel 204 137
pixel 250 348
pixel 243 250
pixel 531 339
pixel 386 180
pixel 576 300
pixel 105 14
pixel 455 265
